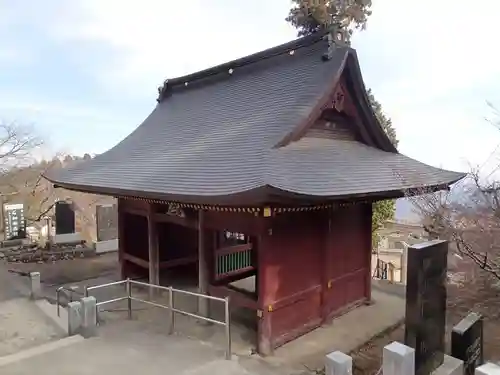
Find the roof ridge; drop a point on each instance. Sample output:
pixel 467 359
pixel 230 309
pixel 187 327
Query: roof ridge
pixel 306 41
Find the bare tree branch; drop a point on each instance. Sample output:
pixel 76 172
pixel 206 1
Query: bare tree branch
pixel 17 143
pixel 471 223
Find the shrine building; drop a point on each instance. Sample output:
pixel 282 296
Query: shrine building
pixel 265 167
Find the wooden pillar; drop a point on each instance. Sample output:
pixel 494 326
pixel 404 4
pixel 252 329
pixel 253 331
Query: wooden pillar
pixel 203 303
pixel 153 250
pixel 121 238
pixel 326 226
pixel 264 329
pixel 369 247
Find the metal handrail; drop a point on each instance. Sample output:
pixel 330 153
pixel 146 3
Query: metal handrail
pixel 128 282
pixel 58 294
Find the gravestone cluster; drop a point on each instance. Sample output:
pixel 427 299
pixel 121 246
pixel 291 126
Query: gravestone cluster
pixel 425 326
pixel 425 320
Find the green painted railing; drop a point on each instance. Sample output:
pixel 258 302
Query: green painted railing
pixel 233 260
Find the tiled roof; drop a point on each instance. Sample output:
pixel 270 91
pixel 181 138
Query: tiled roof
pixel 216 136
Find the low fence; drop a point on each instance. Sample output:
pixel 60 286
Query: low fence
pixel 399 359
pixel 170 306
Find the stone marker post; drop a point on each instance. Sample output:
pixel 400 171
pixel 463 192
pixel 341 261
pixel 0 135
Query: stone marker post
pixel 467 342
pixel 425 319
pixel 74 318
pixel 35 285
pixel 89 316
pixel 398 359
pixel 338 363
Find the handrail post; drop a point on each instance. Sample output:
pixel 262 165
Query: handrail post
pixel 171 308
pixel 58 292
pixel 228 328
pixel 86 291
pixel 129 298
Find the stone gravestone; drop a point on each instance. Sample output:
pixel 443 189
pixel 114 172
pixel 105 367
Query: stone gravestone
pixel 65 218
pixel 107 222
pixel 14 222
pixel 467 342
pixel 426 304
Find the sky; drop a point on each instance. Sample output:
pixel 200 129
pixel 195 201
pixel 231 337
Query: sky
pixel 84 73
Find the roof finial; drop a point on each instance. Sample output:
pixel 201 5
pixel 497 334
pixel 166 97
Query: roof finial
pixel 337 37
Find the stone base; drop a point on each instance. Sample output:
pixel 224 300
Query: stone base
pixel 106 246
pixel 450 366
pixel 14 243
pixel 67 238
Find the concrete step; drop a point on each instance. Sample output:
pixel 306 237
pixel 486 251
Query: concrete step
pixel 38 350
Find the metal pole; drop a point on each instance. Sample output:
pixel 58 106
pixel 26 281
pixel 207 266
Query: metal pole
pixel 86 291
pixel 171 309
pixel 129 299
pixel 228 328
pixel 57 301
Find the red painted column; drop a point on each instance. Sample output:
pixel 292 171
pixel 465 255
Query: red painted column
pixel 368 230
pixel 121 238
pixel 264 331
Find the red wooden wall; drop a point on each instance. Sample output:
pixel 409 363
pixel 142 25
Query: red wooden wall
pixel 312 266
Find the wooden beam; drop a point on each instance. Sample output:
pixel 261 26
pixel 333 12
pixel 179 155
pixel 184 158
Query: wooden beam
pixel 138 261
pixel 183 221
pixel 178 262
pixel 154 253
pixel 203 303
pixel 237 298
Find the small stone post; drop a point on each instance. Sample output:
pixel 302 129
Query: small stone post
pixel 35 285
pixel 398 359
pixel 338 363
pixel 89 316
pixel 74 318
pixel 488 369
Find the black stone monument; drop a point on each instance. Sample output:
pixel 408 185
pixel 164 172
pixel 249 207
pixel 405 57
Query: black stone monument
pixel 467 342
pixel 65 217
pixel 14 222
pixel 107 222
pixel 425 320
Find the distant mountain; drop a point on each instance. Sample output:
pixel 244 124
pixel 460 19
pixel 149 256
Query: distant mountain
pixel 464 194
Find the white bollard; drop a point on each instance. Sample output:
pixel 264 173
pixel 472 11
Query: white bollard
pixel 338 363
pixel 35 285
pixel 89 316
pixel 398 359
pixel 488 369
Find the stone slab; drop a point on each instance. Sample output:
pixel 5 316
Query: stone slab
pixel 67 238
pixel 467 342
pixel 106 246
pixel 425 322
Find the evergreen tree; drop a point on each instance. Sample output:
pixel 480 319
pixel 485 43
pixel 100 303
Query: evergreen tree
pixel 310 16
